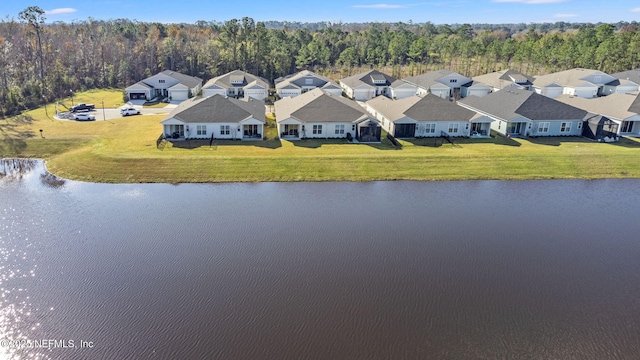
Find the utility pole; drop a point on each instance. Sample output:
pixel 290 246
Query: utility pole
pixel 104 117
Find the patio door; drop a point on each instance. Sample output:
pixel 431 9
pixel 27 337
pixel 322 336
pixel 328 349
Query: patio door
pixel 251 130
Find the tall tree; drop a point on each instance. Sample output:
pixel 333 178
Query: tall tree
pixel 34 16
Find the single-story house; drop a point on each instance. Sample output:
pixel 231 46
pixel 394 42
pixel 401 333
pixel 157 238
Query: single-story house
pixel 303 81
pixel 217 117
pixel 498 80
pixel 366 86
pixel 474 88
pixel 443 83
pixel 624 109
pixel 628 79
pixel 584 83
pixel 167 84
pixel 320 114
pixel 237 84
pixel 521 113
pixel 427 116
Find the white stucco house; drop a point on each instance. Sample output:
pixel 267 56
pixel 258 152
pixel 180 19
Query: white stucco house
pixel 366 86
pixel 584 83
pixel 237 84
pixel 167 84
pixel 303 81
pixel 522 113
pixel 623 109
pixel 427 116
pixel 443 83
pixel 216 116
pixel 499 80
pixel 320 114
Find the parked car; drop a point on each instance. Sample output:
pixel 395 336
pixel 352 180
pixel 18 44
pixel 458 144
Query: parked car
pixel 84 117
pixel 82 107
pixel 129 111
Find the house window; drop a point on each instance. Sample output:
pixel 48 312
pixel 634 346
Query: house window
pixel 339 129
pixel 353 127
pixel 430 128
pixel 627 126
pixel 317 129
pixel 161 81
pixel 579 125
pixel 225 130
pixel 201 130
pixel 543 127
pixel 565 127
pixel 453 80
pixel 453 128
pixel 499 124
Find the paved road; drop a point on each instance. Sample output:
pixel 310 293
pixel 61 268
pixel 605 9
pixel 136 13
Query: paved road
pixel 110 113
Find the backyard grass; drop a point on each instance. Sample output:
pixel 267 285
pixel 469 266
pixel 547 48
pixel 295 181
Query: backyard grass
pixel 124 150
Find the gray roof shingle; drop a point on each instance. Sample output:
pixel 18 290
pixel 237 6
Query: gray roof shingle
pixel 244 78
pixel 319 106
pixel 190 81
pixel 217 109
pixel 512 103
pixel 367 78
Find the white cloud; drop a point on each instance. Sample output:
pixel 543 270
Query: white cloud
pixel 636 9
pixel 60 11
pixel 530 1
pixel 380 6
pixel 564 15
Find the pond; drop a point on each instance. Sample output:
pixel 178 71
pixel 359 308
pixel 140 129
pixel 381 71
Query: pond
pixel 374 270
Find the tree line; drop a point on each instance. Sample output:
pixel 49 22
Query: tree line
pixel 43 62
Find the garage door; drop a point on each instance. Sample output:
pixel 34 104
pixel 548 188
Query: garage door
pixel 179 95
pixel 405 130
pixel 137 96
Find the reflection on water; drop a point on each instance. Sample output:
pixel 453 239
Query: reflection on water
pixel 380 270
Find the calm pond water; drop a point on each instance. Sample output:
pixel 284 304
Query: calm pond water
pixel 379 270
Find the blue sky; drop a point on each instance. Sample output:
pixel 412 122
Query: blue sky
pixel 438 12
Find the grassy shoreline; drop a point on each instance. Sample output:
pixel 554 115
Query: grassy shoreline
pixel 124 151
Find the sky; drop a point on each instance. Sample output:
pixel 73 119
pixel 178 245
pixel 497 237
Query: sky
pixel 437 12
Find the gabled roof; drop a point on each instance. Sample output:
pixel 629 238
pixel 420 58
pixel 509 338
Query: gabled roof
pixel 616 106
pixel 431 78
pixel 571 78
pixel 216 109
pixel 503 78
pixel 318 105
pixel 633 75
pixel 368 79
pixel 512 103
pixel 190 81
pixel 141 84
pixel 299 80
pixel 428 108
pixel 239 79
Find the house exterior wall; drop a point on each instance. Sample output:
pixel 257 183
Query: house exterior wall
pixel 555 127
pixel 550 91
pixel 401 93
pixel 475 91
pixel 463 127
pixel 160 81
pixel 620 89
pixel 211 92
pixel 499 126
pixel 586 92
pixel 336 92
pixel 363 94
pixel 213 128
pixel 138 90
pixel 328 130
pixel 441 91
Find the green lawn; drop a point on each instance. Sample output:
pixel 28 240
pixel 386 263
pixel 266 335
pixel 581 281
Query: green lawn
pixel 124 150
